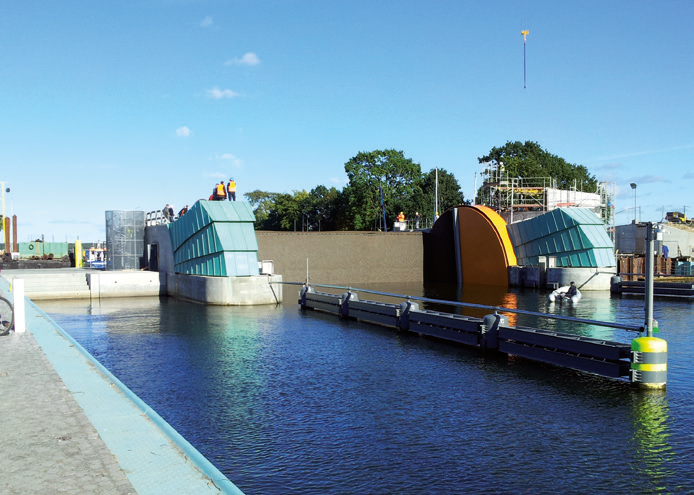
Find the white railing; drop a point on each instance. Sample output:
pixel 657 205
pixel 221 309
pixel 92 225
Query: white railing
pixel 155 218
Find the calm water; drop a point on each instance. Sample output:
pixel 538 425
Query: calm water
pixel 285 401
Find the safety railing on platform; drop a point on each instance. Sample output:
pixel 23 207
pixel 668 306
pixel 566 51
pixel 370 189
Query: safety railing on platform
pixel 155 218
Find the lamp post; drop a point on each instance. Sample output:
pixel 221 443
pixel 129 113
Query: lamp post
pixel 3 204
pixel 633 186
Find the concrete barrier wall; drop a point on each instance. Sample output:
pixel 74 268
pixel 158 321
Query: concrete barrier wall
pixel 344 258
pixel 127 284
pixel 226 291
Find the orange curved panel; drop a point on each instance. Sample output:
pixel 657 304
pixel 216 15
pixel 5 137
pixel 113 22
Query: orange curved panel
pixel 486 251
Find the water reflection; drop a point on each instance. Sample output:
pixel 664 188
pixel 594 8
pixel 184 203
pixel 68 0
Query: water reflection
pixel 283 400
pixel 654 455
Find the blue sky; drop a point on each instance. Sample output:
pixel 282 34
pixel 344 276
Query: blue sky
pixel 135 104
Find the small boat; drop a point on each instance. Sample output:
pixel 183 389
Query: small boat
pixel 560 295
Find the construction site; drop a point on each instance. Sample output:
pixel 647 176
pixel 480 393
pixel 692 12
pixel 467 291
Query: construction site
pixel 521 198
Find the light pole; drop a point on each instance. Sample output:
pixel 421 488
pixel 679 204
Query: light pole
pixel 3 204
pixel 633 186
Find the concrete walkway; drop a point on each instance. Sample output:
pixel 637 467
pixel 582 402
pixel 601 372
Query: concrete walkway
pixel 48 443
pixel 68 426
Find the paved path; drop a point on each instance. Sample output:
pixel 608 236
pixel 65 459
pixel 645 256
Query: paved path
pixel 68 426
pixel 48 443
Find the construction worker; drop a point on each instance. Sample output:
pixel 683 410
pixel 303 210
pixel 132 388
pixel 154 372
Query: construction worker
pixel 572 290
pixel 401 217
pixel 231 189
pixel 220 192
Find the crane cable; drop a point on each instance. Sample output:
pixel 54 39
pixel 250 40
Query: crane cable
pixel 525 32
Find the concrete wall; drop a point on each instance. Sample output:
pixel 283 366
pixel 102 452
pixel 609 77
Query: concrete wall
pixel 127 284
pixel 159 234
pixel 631 239
pixel 76 283
pixel 344 258
pixel 226 291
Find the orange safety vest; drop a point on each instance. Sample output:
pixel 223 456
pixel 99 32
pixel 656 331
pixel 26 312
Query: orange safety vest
pixel 220 190
pixel 232 186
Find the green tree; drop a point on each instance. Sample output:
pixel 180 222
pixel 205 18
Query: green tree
pixel 449 193
pixel 323 210
pixel 299 210
pixel 263 204
pixel 529 160
pixel 369 174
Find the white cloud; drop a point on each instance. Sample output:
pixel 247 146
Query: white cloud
pixel 650 179
pixel 218 94
pixel 250 59
pixel 215 175
pixel 183 131
pixel 206 22
pixel 234 160
pixel 648 152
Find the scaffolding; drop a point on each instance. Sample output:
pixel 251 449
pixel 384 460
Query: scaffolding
pixel 525 197
pixel 125 239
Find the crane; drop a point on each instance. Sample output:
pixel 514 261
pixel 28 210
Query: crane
pixel 524 33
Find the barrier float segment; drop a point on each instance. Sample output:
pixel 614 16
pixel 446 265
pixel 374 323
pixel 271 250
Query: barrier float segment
pixel 644 361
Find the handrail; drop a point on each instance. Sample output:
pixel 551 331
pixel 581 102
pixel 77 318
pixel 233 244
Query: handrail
pixel 155 217
pixel 621 326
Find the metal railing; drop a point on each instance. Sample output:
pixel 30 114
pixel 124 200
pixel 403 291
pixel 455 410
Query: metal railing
pixel 495 309
pixel 155 218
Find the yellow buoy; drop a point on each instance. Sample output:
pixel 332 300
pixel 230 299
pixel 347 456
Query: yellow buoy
pixel 649 362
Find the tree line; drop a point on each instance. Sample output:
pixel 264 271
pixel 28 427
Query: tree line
pixel 383 183
pixel 379 181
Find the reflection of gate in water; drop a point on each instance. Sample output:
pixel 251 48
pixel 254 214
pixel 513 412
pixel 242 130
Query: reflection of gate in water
pixel 125 240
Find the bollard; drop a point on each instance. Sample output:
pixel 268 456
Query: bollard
pixel 78 254
pixel 649 362
pixel 18 303
pixel 405 309
pixel 344 302
pixel 490 330
pixel 302 294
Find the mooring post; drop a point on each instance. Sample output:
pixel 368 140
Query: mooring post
pixel 405 309
pixel 490 330
pixel 649 354
pixel 302 294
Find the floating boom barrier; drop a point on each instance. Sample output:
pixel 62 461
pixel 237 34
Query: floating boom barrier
pixel 643 362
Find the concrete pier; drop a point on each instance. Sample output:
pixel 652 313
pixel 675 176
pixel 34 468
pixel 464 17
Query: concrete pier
pixel 69 426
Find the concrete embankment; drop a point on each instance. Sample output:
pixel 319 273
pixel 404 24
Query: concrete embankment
pixel 80 283
pixel 70 426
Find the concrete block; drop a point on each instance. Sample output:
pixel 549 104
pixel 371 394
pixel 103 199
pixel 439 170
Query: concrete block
pixel 127 284
pixel 226 291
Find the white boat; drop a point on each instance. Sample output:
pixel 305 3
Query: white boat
pixel 560 295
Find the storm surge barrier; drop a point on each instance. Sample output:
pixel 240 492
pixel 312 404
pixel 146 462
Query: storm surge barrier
pixel 639 363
